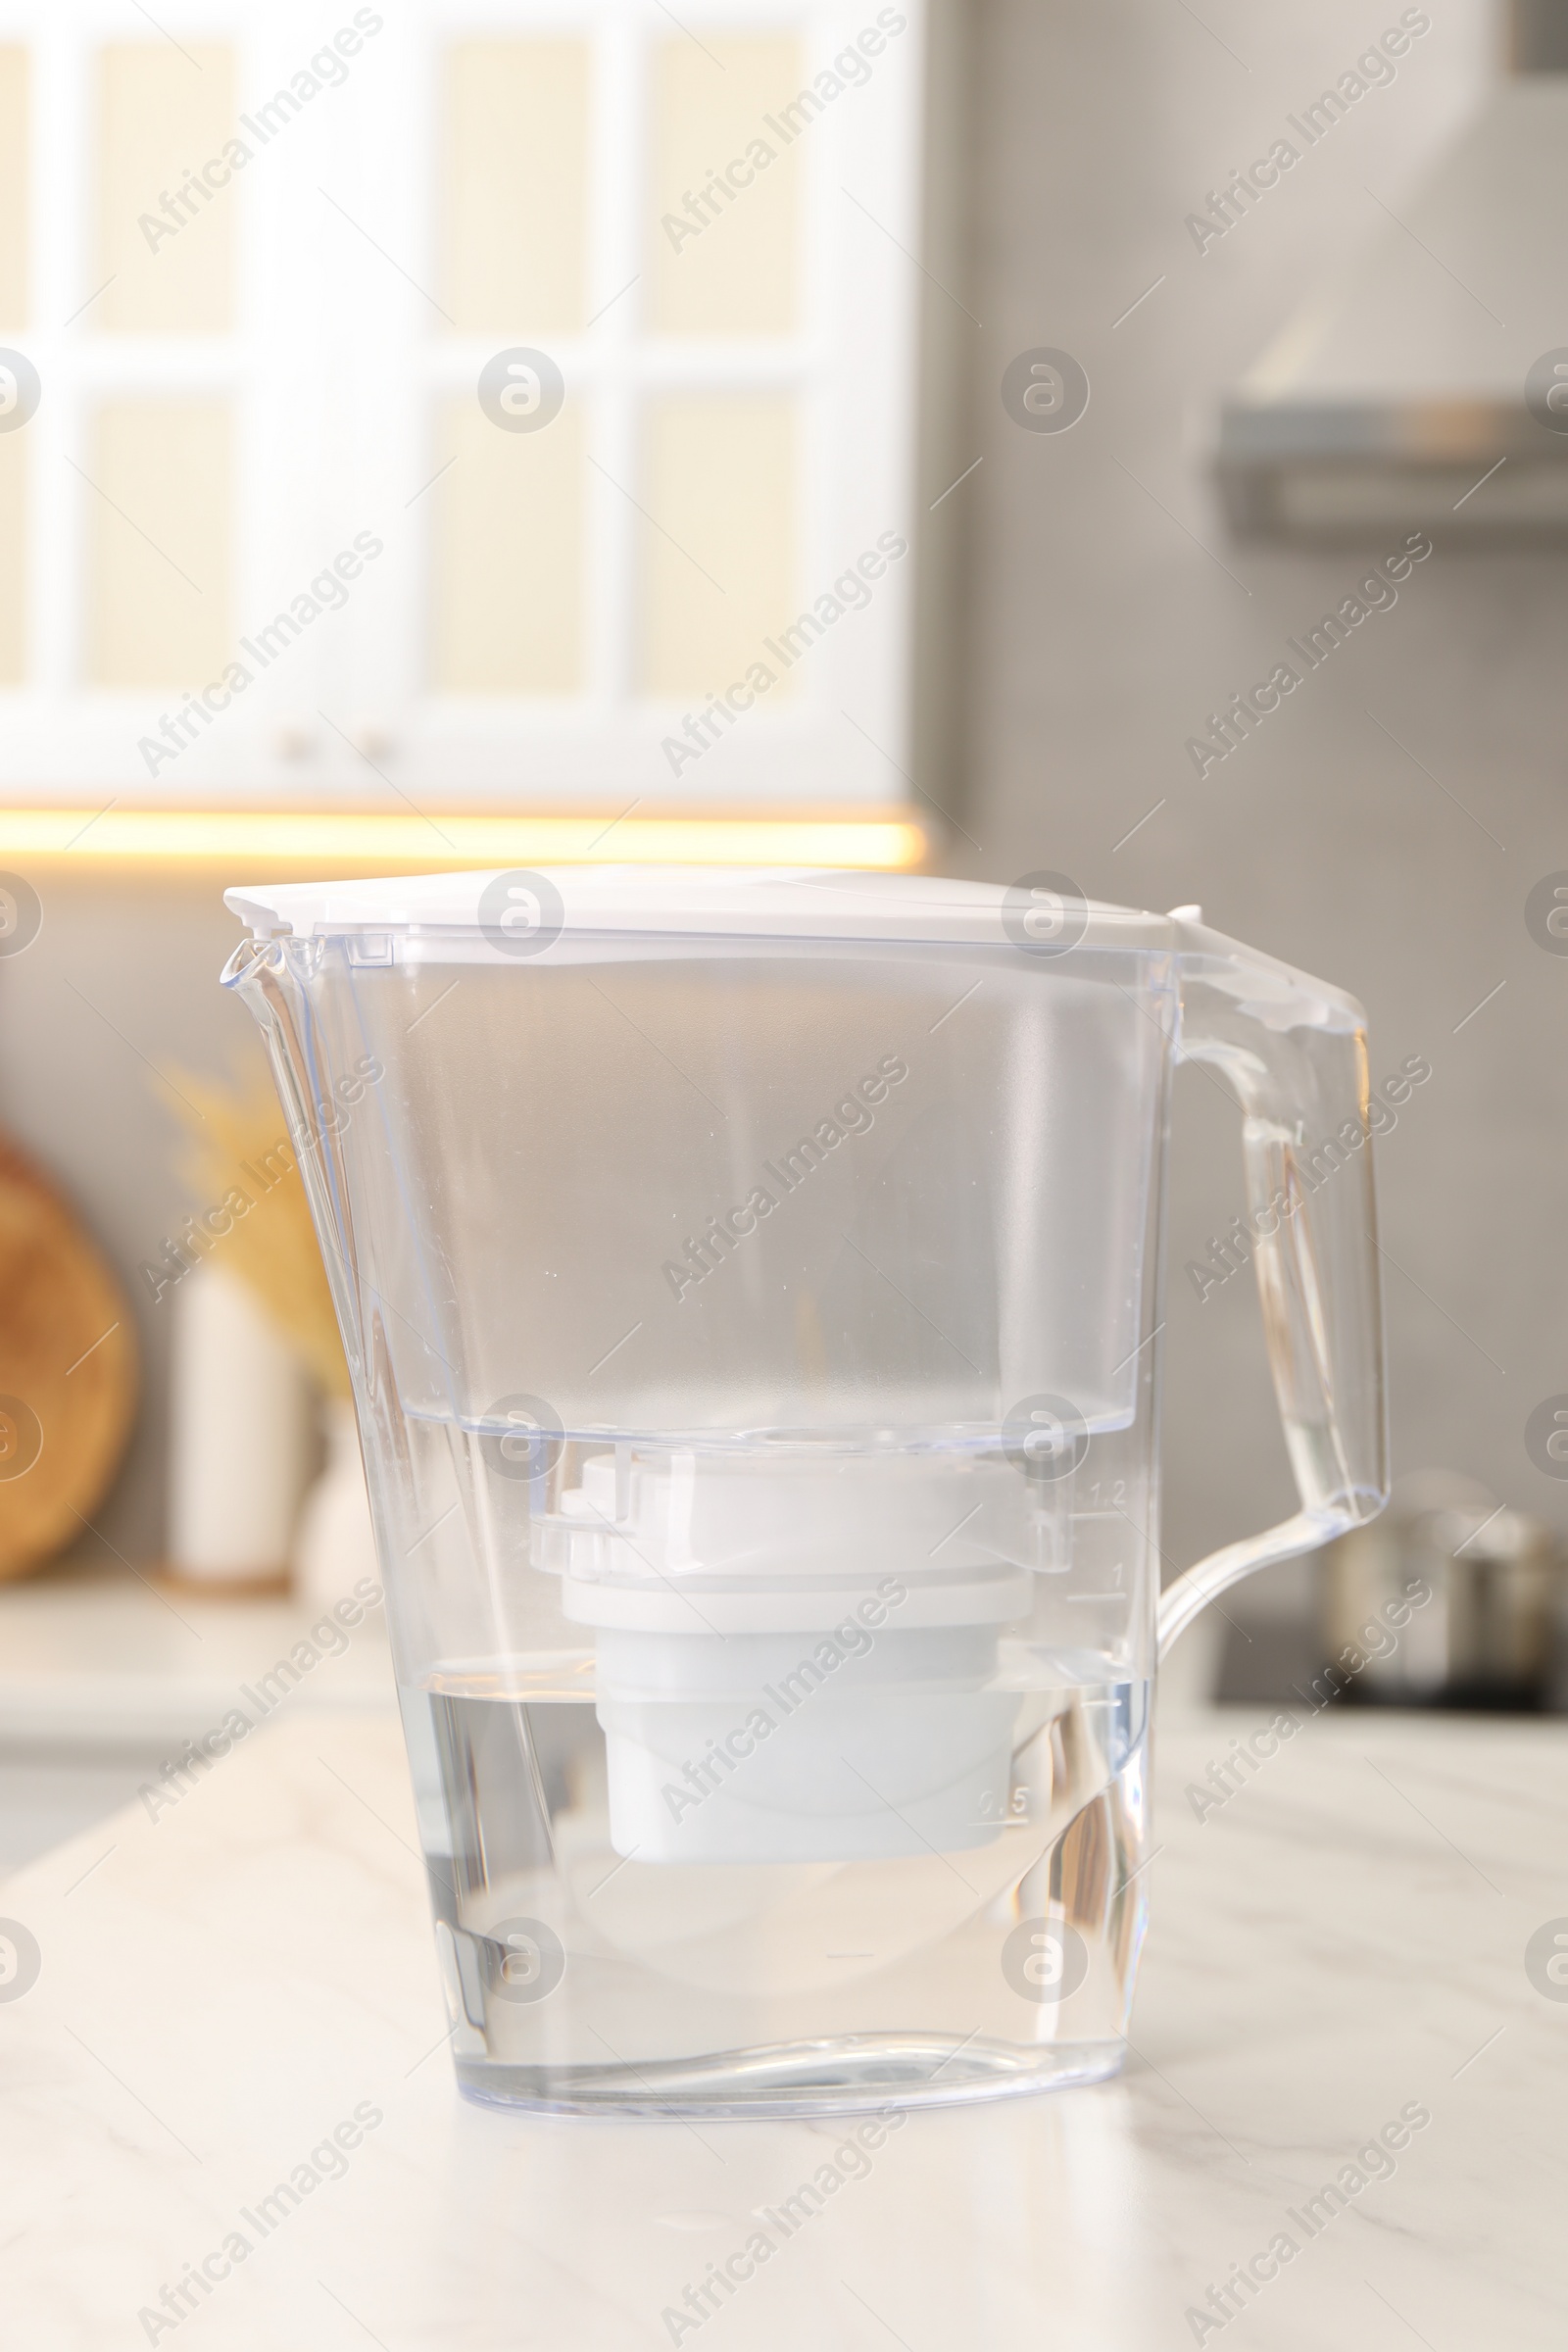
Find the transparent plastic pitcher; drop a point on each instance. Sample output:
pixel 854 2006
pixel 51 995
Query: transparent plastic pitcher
pixel 751 1285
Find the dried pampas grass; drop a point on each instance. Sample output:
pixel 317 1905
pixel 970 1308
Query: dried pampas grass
pixel 254 1218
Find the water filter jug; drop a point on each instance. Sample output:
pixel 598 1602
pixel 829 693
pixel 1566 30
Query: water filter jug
pixel 751 1288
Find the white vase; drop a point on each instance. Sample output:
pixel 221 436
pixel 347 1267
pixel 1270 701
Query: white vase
pixel 335 1545
pixel 240 1436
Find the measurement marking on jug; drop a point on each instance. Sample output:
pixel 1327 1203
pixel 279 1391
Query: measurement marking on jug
pixel 610 1352
pixel 1143 1537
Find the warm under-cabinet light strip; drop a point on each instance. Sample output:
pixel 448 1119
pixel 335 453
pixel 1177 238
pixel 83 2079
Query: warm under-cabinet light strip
pixel 271 840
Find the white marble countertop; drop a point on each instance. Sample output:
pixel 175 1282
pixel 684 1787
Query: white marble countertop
pixel 95 1655
pixel 1344 1939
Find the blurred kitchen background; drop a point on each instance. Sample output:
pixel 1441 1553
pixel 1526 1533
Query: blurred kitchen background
pixel 230 374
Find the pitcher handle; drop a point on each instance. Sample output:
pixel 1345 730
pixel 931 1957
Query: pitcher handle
pixel 1294 1050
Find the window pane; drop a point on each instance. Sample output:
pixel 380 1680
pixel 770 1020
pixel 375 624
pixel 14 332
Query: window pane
pixel 165 210
pixel 13 558
pixel 722 240
pixel 507 576
pixel 718 568
pixel 13 187
pixel 515 184
pixel 158 524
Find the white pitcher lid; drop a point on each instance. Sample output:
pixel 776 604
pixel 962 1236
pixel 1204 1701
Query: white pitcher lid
pixel 737 902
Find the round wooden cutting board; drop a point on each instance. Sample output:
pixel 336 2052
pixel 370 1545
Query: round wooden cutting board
pixel 68 1369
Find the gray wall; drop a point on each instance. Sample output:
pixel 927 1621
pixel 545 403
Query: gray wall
pixel 1099 635
pixel 1095 635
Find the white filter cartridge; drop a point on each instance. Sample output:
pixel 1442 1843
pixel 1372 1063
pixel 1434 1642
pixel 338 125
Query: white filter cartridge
pixel 755 1716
